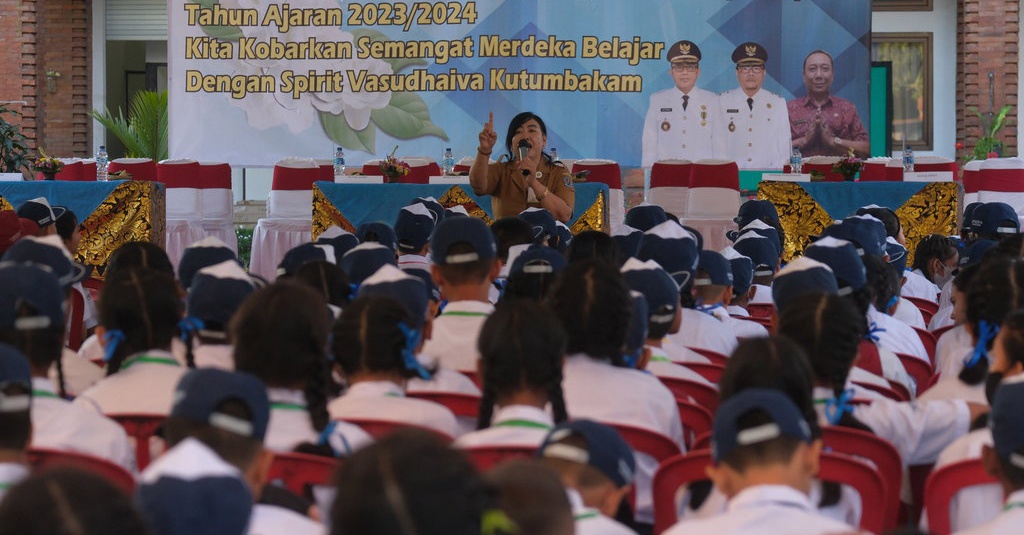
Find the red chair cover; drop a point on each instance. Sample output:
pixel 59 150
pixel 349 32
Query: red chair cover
pixel 894 173
pixel 874 172
pixel 460 168
pixel 421 174
pixel 824 168
pixel 671 175
pixel 326 172
pixel 972 180
pixel 725 175
pixel 71 171
pixel 294 179
pixel 1007 180
pixel 372 169
pixel 936 167
pixel 179 175
pixel 606 173
pixel 139 170
pixel 215 176
pixel 88 173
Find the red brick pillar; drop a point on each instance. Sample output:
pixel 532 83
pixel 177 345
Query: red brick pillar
pixel 988 34
pixel 62 76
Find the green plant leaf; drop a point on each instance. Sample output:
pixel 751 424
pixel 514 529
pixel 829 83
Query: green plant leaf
pixel 223 33
pixel 406 117
pixel 144 133
pixel 337 128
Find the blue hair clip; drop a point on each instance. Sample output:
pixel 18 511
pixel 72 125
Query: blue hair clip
pixel 987 331
pixel 325 440
pixel 632 359
pixel 872 330
pixel 353 288
pixel 412 340
pixel 837 406
pixel 500 283
pixel 189 326
pixel 892 302
pixel 111 339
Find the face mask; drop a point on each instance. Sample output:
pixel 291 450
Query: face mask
pixel 992 384
pixel 944 276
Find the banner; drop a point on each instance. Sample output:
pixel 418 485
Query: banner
pixel 254 81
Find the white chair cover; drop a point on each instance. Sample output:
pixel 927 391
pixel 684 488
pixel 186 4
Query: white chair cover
pixel 272 238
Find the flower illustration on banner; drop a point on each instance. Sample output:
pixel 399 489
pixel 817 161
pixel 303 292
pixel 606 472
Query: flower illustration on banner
pixel 349 118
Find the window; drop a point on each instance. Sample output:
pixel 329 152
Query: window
pixel 901 5
pixel 911 57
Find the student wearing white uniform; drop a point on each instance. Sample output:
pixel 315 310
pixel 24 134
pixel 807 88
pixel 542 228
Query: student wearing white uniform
pixel 765 258
pixel 680 121
pixel 522 347
pixel 712 288
pixel 765 460
pixel 204 253
pixel 413 227
pixel 936 260
pixel 214 295
pixel 533 272
pixel 597 467
pixel 463 252
pixel 532 495
pixel 753 126
pixel 15 416
pixel 593 304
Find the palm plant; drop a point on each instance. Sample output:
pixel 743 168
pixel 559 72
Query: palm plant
pixel 144 132
pixel 13 148
pixel 991 124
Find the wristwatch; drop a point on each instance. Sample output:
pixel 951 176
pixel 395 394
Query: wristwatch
pixel 837 141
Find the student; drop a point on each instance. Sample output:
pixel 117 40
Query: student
pixel 905 311
pixel 595 244
pixel 542 225
pixel 70 233
pixel 597 467
pixel 204 253
pixel 935 262
pixel 534 271
pixel 713 289
pixel 464 266
pixel 508 232
pixel 213 298
pixel 1003 459
pixel 742 280
pixel 327 279
pixel 40 212
pixel 364 260
pixel 765 257
pixel 954 344
pixel 32 319
pixel 765 460
pixel 522 348
pixel 413 227
pixel 377 232
pixel 532 496
pixel 15 417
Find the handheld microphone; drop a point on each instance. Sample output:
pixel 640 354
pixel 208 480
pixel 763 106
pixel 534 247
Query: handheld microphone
pixel 523 148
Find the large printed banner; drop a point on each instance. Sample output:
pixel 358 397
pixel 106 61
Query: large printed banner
pixel 253 81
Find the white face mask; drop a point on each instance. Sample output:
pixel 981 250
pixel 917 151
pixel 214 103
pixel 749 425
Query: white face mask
pixel 944 275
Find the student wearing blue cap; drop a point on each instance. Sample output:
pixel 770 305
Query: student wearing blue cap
pixel 766 259
pixel 15 416
pixel 413 227
pixel 1004 459
pixel 713 290
pixel 742 281
pixel 534 271
pixel 215 294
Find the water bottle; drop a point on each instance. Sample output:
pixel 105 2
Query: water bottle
pixel 102 159
pixel 554 154
pixel 796 161
pixel 448 162
pixel 339 162
pixel 908 160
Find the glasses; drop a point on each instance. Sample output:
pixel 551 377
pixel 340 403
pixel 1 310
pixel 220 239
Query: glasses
pixel 747 69
pixel 684 67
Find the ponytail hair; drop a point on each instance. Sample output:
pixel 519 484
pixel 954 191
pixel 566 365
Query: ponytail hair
pixel 996 290
pixel 139 309
pixel 592 302
pixel 376 334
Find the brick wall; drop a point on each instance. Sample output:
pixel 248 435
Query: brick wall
pixel 988 40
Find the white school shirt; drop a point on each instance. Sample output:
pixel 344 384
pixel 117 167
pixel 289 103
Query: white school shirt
pixel 10 475
pixel 590 521
pixel 681 354
pixel 443 380
pixel 597 390
pixel 290 425
pixel 92 350
pixel 662 366
pixel 79 373
pixel 385 400
pixel 1008 522
pixel 942 318
pixel 893 370
pixel 670 132
pixel 974 505
pixel 453 338
pixel 89 314
pixel 765 509
pixel 704 331
pixel 757 138
pixel 512 425
pixel 737 311
pixel 917 285
pixel 897 336
pixel 61 425
pixel 145 384
pixel 951 387
pixel 272 520
pixel 762 295
pixel 219 356
pixel 847 509
pixel 908 313
pixel 952 348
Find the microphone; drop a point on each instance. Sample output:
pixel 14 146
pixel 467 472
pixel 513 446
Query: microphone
pixel 523 148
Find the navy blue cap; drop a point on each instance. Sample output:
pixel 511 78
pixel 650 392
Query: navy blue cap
pixel 657 287
pixel 15 370
pixel 377 231
pixel 413 227
pixel 716 268
pixel 468 230
pixel 365 259
pixel 40 212
pixel 674 249
pixel 203 253
pixel 303 254
pixel 1007 423
pixel 436 209
pixel 628 239
pixel 865 232
pixel 697 236
pixel 897 254
pixel 456 211
pixel 342 241
pixel 995 219
pixel 802 276
pixel 541 220
pixel 742 270
pixel 841 257
pixel 563 237
pixel 968 225
pixel 538 259
pixel 785 420
pixel 389 281
pixel 761 229
pixel 645 217
pixel 756 210
pixel 433 292
pixel 636 331
pixel 34 286
pixel 201 391
pixel 976 251
pixel 217 291
pixel 761 252
pixel 605 450
pixel 50 253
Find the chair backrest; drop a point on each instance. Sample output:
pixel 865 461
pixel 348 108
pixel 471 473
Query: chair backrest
pixel 931 164
pixel 71 171
pixel 214 175
pixel 381 428
pixel 865 479
pixel 823 165
pixel 179 173
pixel 299 471
pixel 882 453
pixel 142 428
pixel 45 458
pixel 874 172
pixel 923 304
pixel 466 405
pixel 604 171
pixel 648 442
pixel 485 457
pixel 715 174
pixel 943 484
pixel 937 333
pixel 999 176
pixel 671 173
pixel 139 168
pixel 295 174
pixel 696 420
pixel 928 340
pixel 917 368
pixel 714 356
pixel 76 316
pixel 764 322
pixel 702 394
pixel 671 474
pixel 868 357
pixel 760 310
pixel 421 171
pixel 708 370
pixel 894 391
pixel 972 178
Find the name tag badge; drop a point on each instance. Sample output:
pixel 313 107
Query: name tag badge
pixel 732 110
pixel 666 110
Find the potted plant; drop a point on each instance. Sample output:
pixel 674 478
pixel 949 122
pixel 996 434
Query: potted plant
pixel 13 150
pixel 991 124
pixel 144 131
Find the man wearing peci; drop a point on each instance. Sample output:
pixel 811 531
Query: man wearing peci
pixel 680 120
pixel 821 123
pixel 753 129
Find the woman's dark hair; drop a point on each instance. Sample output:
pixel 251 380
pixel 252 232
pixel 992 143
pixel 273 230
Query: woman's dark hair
pixel 533 286
pixel 143 305
pixel 66 225
pixel 592 301
pixel 409 482
pixel 368 337
pixel 139 254
pixel 280 335
pixel 43 347
pixel 520 120
pixel 522 347
pixel 996 290
pixel 933 246
pixel 887 217
pixel 69 500
pixel 327 279
pixel 883 280
pixel 509 231
pixel 1013 336
pixel 594 244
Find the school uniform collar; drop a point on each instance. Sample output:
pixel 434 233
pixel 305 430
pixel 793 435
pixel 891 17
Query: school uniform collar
pixel 579 510
pixel 1014 501
pixel 43 387
pixel 153 357
pixel 522 416
pixel 737 311
pixel 770 496
pixel 11 474
pixel 658 354
pixel 375 389
pixel 469 308
pixel 286 399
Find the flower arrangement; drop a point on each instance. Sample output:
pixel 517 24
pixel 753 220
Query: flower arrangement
pixel 849 166
pixel 392 167
pixel 47 165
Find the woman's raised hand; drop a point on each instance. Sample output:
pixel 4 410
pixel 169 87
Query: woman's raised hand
pixel 487 136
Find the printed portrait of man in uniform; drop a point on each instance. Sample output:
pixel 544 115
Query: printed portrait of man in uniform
pixel 823 124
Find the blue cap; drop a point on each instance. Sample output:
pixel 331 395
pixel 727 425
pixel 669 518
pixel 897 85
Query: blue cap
pixel 456 211
pixel 968 225
pixel 468 230
pixel 897 254
pixel 15 370
pixel 389 281
pixel 377 232
pixel 537 259
pixel 436 209
pixel 802 276
pixel 50 253
pixel 205 252
pixel 785 421
pixel 674 249
pixel 636 331
pixel 761 229
pixel 365 259
pixel 761 252
pixel 993 219
pixel 716 268
pixel 40 212
pixel 644 217
pixel 342 241
pixel 34 286
pixel 541 220
pixel 865 232
pixel 201 391
pixel 605 450
pixel 841 257
pixel 413 227
pixel 976 251
pixel 1007 423
pixel 657 287
pixel 303 254
pixel 756 210
pixel 742 271
pixel 563 237
pixel 628 240
pixel 218 291
pixel 433 292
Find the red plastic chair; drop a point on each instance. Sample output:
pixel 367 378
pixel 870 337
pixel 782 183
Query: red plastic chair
pixel 696 420
pixel 929 340
pixel 882 453
pixel 45 458
pixel 466 405
pixel 485 457
pixel 710 371
pixel 890 392
pixel 944 483
pixel 473 376
pixel 714 356
pixel 704 395
pixel 646 441
pixel 299 471
pixel 75 315
pixel 937 333
pixel 767 323
pixel 381 428
pixel 760 310
pixel 920 370
pixel 927 308
pixel 142 428
pixel 669 477
pixel 868 358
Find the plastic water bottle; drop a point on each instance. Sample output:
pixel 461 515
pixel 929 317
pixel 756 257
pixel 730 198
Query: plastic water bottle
pixel 448 162
pixel 339 162
pixel 102 159
pixel 554 154
pixel 908 160
pixel 796 161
